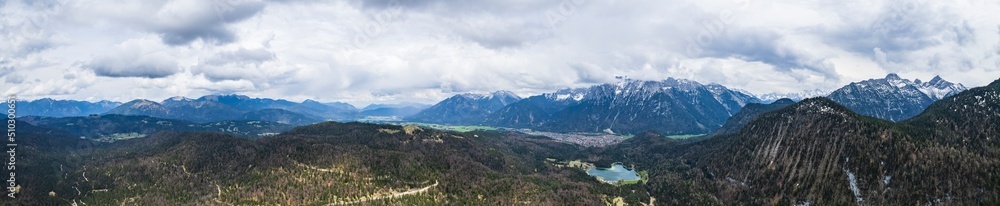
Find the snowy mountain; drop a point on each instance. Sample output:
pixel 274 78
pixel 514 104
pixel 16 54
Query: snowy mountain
pixel 567 95
pixel 938 88
pixel 893 98
pixel 671 106
pixel 798 96
pixel 465 108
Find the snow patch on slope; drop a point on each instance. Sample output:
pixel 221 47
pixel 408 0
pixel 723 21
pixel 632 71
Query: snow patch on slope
pixel 853 181
pixel 143 103
pixel 799 96
pixel 854 186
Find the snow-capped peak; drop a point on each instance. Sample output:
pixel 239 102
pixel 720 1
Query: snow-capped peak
pixel 936 89
pixel 795 96
pixel 936 79
pixel 742 91
pixel 575 97
pixel 473 96
pixel 893 98
pixel 896 81
pixel 140 103
pixel 179 98
pixel 502 94
pixel 892 76
pixel 577 94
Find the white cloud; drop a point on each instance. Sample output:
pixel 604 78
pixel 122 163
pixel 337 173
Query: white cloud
pixel 370 51
pixel 135 59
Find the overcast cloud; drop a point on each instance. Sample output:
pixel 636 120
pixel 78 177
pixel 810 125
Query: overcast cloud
pixel 364 51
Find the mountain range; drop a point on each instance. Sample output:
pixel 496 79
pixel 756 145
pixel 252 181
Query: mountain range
pixel 62 108
pixel 237 107
pixel 671 106
pixel 893 98
pixel 813 152
pixel 876 88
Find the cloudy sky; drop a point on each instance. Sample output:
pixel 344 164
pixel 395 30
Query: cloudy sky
pixel 363 51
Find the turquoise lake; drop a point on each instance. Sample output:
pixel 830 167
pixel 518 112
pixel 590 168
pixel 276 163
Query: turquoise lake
pixel 615 173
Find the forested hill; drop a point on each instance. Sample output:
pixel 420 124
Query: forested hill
pixel 327 163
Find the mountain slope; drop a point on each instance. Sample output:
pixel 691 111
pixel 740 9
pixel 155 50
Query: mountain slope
pixel 201 111
pixel 806 152
pixel 281 116
pixel 142 107
pixel 465 108
pixel 183 109
pixel 559 100
pixel 893 98
pixel 534 111
pixel 336 105
pixel 748 113
pixel 973 115
pixel 520 114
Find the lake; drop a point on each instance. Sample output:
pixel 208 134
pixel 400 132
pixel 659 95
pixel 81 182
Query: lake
pixel 615 173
